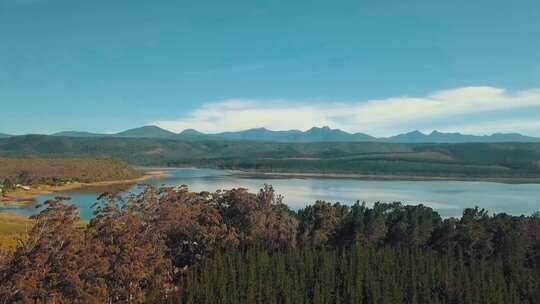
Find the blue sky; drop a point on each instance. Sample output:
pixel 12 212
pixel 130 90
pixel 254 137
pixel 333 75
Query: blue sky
pixel 379 67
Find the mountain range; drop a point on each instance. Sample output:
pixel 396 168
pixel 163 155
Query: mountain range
pixel 262 134
pixel 315 134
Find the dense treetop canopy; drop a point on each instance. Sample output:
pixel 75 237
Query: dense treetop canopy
pixel 173 245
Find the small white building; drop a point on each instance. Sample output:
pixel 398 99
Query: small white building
pixel 23 187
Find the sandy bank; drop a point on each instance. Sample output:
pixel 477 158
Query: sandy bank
pixel 27 197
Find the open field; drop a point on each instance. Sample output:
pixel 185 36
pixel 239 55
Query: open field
pixel 12 228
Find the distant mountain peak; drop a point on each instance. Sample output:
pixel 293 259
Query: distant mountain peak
pixel 146 131
pixel 324 129
pixel 314 134
pixel 150 127
pixel 321 128
pixel 262 129
pixel 191 132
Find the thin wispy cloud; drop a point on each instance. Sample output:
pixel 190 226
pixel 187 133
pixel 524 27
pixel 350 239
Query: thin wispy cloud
pixel 458 109
pixel 26 2
pixel 525 126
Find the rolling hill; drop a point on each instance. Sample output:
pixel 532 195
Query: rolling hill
pixel 145 132
pixel 56 170
pixel 395 159
pixel 78 134
pixel 439 137
pixel 142 132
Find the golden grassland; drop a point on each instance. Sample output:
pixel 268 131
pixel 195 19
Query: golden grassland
pixel 12 228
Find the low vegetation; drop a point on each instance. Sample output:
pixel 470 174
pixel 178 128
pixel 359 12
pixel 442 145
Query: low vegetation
pixel 55 171
pixel 12 228
pixel 471 160
pixel 171 245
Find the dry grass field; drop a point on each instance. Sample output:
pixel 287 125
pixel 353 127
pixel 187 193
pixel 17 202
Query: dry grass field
pixel 12 228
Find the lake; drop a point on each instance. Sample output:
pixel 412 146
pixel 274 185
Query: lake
pixel 449 198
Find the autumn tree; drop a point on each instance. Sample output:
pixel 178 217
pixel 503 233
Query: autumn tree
pixel 173 245
pixel 125 257
pixel 45 266
pixel 258 218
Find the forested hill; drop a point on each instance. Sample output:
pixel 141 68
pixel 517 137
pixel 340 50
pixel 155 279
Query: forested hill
pixel 29 171
pixel 454 160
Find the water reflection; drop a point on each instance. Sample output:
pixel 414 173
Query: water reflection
pixel 447 197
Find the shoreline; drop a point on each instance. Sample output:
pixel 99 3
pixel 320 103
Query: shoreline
pixel 386 177
pixel 21 198
pixel 360 176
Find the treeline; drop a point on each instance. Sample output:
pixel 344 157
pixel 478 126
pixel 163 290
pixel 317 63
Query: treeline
pixel 55 171
pixel 174 246
pixel 353 275
pixel 485 160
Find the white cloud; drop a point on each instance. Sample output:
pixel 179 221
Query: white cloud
pixel 377 117
pixel 527 126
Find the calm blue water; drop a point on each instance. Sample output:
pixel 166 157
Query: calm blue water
pixel 447 197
